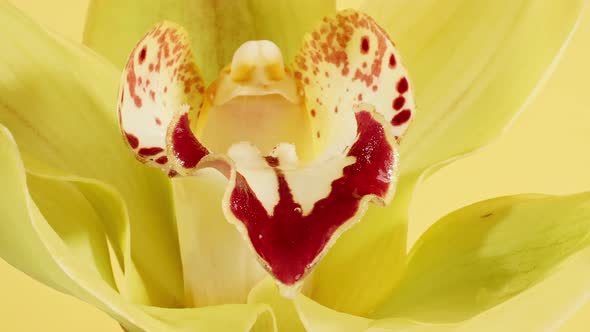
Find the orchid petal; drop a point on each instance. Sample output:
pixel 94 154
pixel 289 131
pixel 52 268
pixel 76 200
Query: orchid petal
pixel 548 305
pixel 39 238
pixel 347 60
pixel 161 84
pixel 459 69
pixel 79 226
pixel 224 318
pixel 218 265
pixel 470 80
pixel 317 318
pixel 486 253
pixel 285 313
pixel 31 244
pixel 367 260
pixel 216 28
pixel 58 101
pixel 304 314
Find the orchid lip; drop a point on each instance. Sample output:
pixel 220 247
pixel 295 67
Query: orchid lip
pixel 307 148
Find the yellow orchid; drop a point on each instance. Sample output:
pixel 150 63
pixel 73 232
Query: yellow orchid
pixel 324 99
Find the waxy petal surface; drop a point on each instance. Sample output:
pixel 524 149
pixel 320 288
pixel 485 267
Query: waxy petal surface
pixel 58 100
pixel 217 28
pixel 218 265
pixel 484 254
pixel 71 260
pixel 470 80
pixel 160 85
pixel 347 60
pixel 546 306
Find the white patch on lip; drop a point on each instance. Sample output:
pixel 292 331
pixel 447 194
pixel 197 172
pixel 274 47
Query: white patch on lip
pixel 314 182
pixel 308 184
pixel 258 174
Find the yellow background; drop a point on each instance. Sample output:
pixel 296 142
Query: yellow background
pixel 546 150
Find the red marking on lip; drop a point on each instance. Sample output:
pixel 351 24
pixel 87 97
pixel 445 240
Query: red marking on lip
pixel 392 61
pixel 272 161
pixel 398 103
pixel 402 85
pixel 290 242
pixel 365 45
pixel 132 81
pixel 148 152
pixel 401 118
pixel 313 113
pixel 132 139
pixel 186 147
pixel 142 55
pixel 162 160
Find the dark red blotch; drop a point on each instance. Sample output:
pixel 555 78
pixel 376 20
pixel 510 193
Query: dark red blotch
pixel 288 241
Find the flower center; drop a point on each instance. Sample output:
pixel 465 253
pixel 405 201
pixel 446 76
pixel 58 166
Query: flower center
pixel 256 99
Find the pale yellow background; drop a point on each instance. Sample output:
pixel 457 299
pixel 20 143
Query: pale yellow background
pixel 546 150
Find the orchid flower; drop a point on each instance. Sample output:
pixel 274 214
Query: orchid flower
pixel 211 165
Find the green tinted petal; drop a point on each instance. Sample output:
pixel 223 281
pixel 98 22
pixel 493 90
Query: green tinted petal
pixel 302 313
pixel 76 222
pixel 317 318
pixel 217 28
pixel 473 64
pixel 58 100
pixel 459 68
pixel 486 253
pixel 285 313
pixel 544 307
pixel 30 242
pixel 218 266
pixel 368 259
pixel 224 318
pixel 58 244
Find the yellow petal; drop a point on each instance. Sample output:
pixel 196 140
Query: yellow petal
pixel 544 307
pixel 285 313
pixel 482 255
pixel 58 100
pixel 74 219
pixel 367 260
pixel 40 237
pixel 217 262
pixel 224 318
pixel 216 28
pixel 469 81
pixel 474 66
pixel 304 314
pixel 317 318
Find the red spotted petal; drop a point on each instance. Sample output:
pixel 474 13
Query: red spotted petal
pixel 348 60
pixel 160 86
